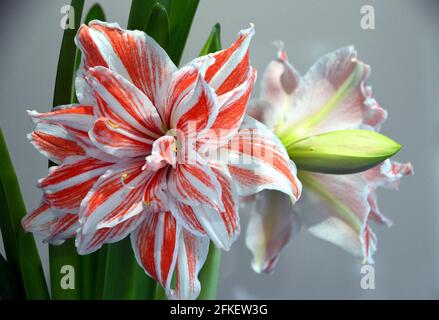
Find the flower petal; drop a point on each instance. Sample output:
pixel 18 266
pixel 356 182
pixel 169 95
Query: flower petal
pixel 164 152
pixel 387 175
pixel 194 183
pixel 88 243
pixel 133 54
pixel 55 142
pixel 67 185
pixel 113 139
pixel 232 106
pixel 155 244
pixel 272 223
pixel 333 95
pixel 114 198
pixel 73 117
pixel 222 227
pixel 192 253
pixel 335 208
pixel 231 65
pixel 257 160
pixel 53 225
pixel 156 196
pixel 196 111
pixel 120 101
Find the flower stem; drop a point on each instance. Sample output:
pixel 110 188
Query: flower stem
pixel 209 274
pixel 124 278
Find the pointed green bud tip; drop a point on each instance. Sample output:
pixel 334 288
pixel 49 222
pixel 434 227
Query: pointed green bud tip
pixel 213 43
pixel 342 152
pixel 158 26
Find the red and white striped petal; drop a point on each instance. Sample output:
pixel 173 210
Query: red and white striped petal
pixel 257 160
pixel 133 54
pixel 55 142
pixel 73 117
pixel 222 227
pixel 115 140
pixel 335 208
pixel 333 95
pixel 232 106
pixel 88 243
pixel 114 198
pixel 164 153
pixel 67 185
pixel 196 111
pixel 192 253
pixel 155 243
pixel 180 85
pixel 387 175
pixel 156 197
pixel 194 183
pixel 53 225
pixel 231 65
pixel 271 226
pixel 123 103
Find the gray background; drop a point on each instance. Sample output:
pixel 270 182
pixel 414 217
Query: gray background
pixel 403 54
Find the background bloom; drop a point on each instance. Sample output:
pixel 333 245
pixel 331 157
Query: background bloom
pixel 333 95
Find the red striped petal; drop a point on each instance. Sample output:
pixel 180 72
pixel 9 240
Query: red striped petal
pixel 132 54
pixel 67 185
pixel 53 225
pixel 115 140
pixel 192 253
pixel 155 244
pixel 123 103
pixel 88 243
pixel 222 227
pixel 196 111
pixel 231 65
pixel 258 160
pixel 55 142
pixel 115 197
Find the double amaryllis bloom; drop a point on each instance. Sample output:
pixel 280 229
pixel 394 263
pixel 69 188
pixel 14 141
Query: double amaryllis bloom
pixel 155 152
pixel 332 96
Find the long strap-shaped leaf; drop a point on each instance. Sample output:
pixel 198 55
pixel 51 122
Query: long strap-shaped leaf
pixel 66 254
pixel 180 12
pixel 21 252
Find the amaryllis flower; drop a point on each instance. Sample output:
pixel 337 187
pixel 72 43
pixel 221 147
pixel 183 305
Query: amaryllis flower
pixel 156 152
pixel 332 96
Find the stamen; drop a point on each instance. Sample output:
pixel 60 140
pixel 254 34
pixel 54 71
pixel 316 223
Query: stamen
pixel 113 124
pixel 123 178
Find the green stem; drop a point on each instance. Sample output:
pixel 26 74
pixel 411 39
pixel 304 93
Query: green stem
pixel 124 278
pixel 209 274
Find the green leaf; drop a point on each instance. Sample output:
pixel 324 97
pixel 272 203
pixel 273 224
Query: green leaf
pixel 158 26
pixel 139 14
pixel 181 14
pixel 9 287
pixel 66 61
pixel 21 251
pixel 66 254
pixel 342 152
pixel 213 42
